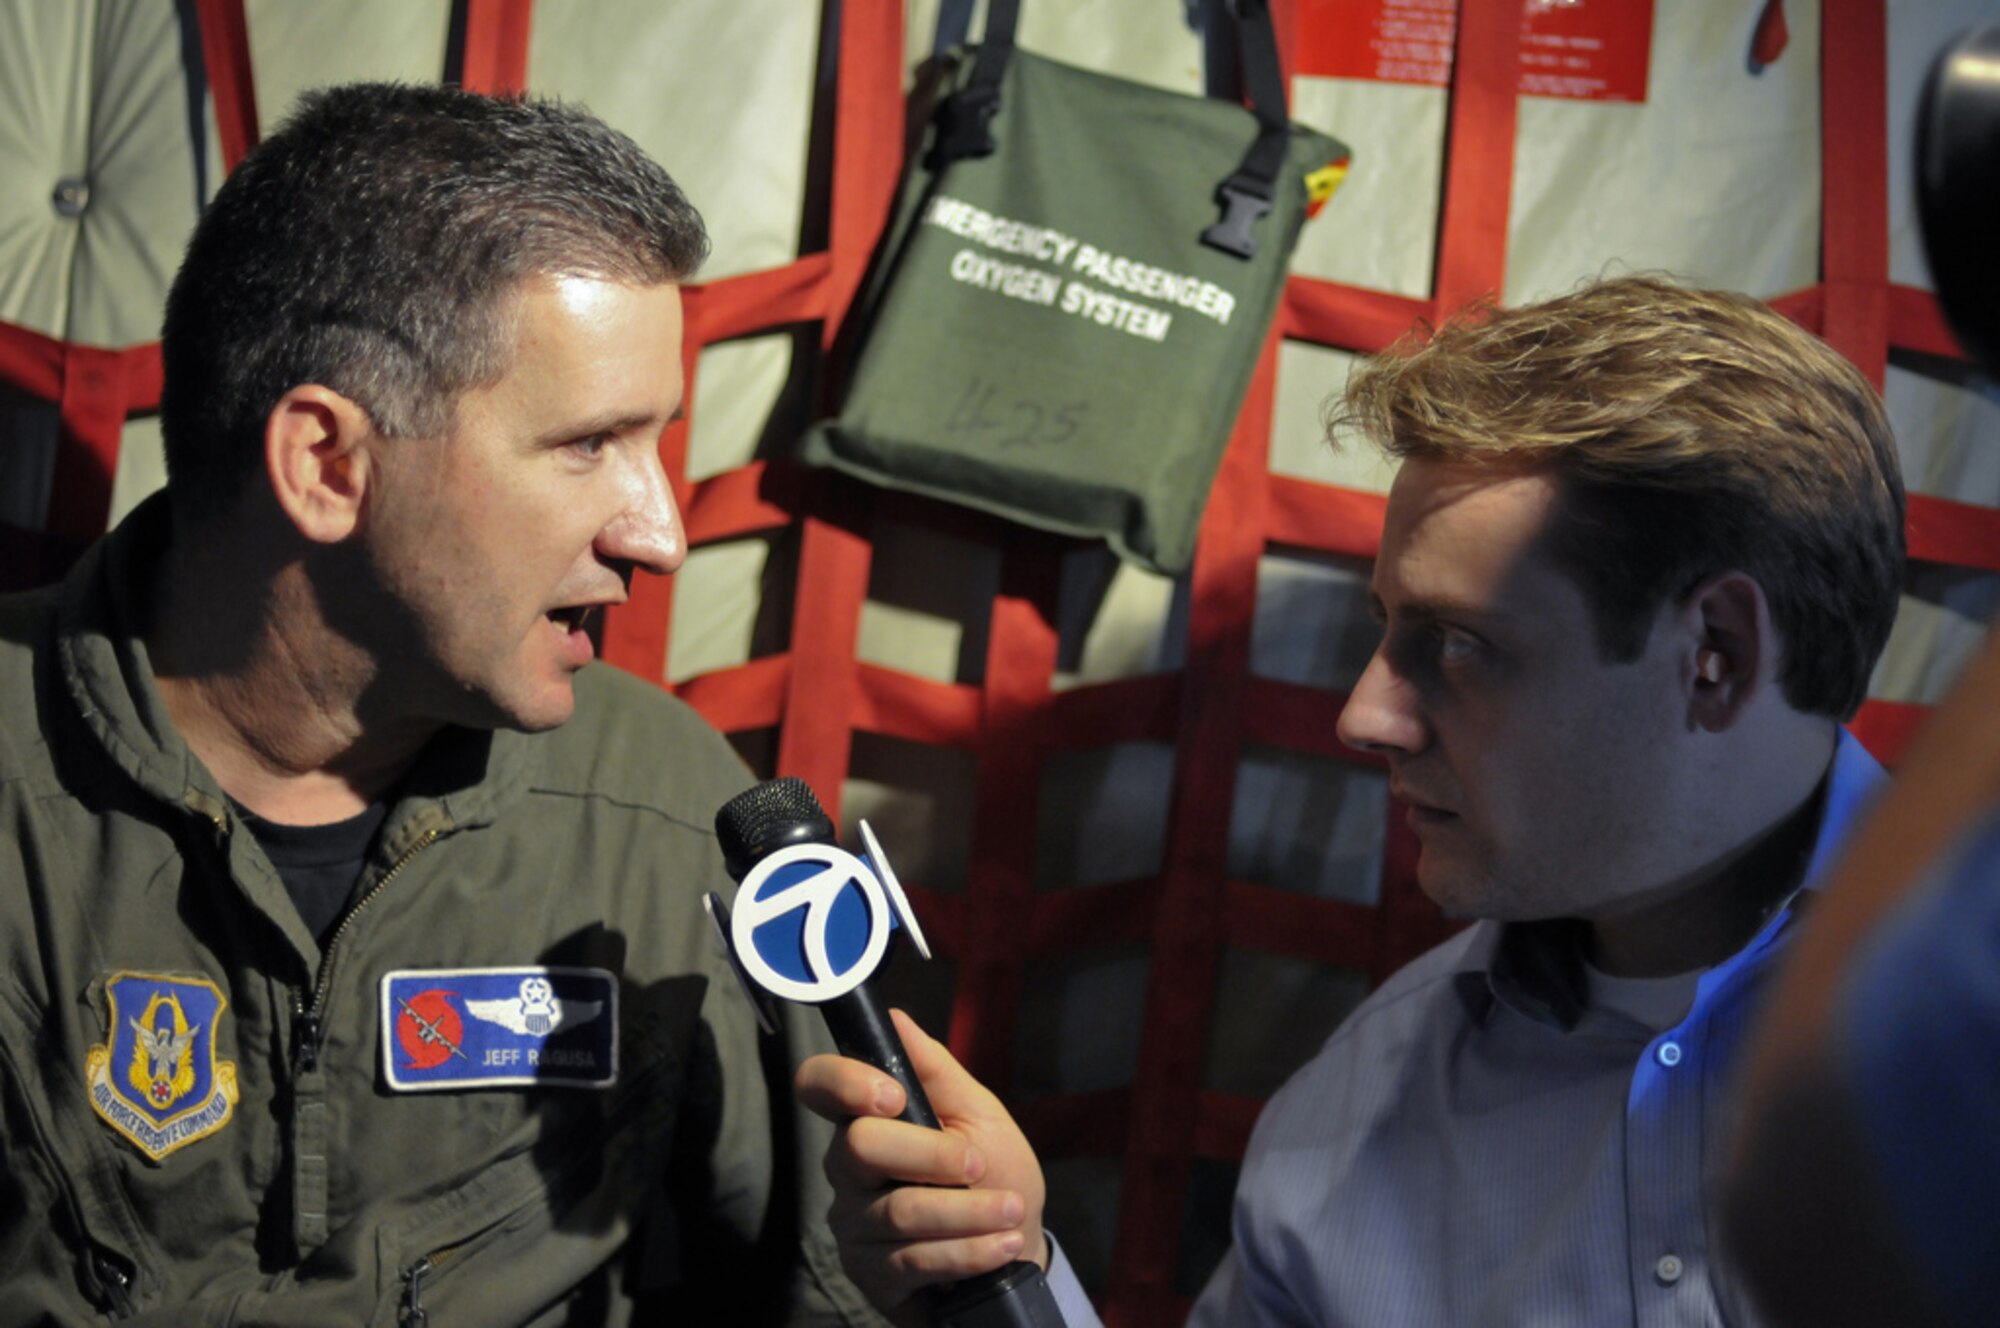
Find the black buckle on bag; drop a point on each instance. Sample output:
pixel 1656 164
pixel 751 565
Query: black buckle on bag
pixel 1240 210
pixel 965 124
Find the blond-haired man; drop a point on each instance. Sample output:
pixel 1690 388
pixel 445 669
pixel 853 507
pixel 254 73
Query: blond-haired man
pixel 1642 551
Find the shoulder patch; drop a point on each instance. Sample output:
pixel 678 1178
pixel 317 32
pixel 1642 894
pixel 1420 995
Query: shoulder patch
pixel 499 1027
pixel 157 1081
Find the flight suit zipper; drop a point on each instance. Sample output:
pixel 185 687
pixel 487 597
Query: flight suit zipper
pixel 310 1127
pixel 308 1021
pixel 411 1313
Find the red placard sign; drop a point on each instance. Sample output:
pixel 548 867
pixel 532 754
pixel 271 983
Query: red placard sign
pixel 1584 50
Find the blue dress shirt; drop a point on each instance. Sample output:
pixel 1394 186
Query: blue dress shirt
pixel 1475 1147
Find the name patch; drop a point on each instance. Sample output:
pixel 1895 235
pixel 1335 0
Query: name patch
pixel 499 1027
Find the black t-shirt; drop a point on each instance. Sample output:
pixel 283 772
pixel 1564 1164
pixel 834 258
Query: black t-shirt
pixel 319 864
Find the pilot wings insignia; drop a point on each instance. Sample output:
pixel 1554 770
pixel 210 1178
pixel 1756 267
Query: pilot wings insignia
pixel 536 1011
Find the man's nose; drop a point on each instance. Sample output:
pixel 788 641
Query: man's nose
pixel 647 530
pixel 1382 713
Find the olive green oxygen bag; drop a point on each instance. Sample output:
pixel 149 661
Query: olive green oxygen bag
pixel 1073 293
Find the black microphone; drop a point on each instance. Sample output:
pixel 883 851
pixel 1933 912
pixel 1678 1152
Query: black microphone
pixel 754 827
pixel 812 924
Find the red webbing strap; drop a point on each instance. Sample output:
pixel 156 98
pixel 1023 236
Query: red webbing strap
pixel 817 735
pixel 99 388
pixel 94 389
pixel 1330 314
pixel 1080 1124
pixel 1298 718
pixel 1854 174
pixel 1000 870
pixel 495 59
pixel 1128 710
pixel 1806 307
pixel 1886 727
pixel 1479 171
pixel 735 306
pixel 1917 322
pixel 867 145
pixel 225 52
pixel 1332 932
pixel 942 714
pixel 749 696
pixel 1115 914
pixel 1943 531
pixel 1309 515
pixel 1187 934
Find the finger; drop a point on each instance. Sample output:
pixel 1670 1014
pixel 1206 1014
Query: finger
pixel 889 1275
pixel 837 1087
pixel 923 1214
pixel 869 1152
pixel 954 1094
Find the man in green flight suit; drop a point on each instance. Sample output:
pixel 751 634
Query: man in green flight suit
pixel 353 968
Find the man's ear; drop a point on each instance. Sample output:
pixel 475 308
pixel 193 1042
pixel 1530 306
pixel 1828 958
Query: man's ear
pixel 319 465
pixel 1729 647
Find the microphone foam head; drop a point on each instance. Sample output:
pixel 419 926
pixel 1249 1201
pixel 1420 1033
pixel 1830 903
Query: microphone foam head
pixel 761 820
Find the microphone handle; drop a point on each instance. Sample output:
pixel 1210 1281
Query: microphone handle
pixel 861 1030
pixel 1014 1296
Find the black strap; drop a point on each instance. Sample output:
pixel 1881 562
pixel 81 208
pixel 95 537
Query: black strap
pixel 1248 193
pixel 953 24
pixel 965 120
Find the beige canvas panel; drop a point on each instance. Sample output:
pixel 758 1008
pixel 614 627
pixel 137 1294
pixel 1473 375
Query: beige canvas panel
pixel 1146 41
pixel 1312 625
pixel 142 465
pixel 296 45
pixel 45 98
pixel 718 599
pixel 1940 626
pixel 147 184
pixel 736 395
pixel 1948 434
pixel 1310 381
pixel 930 598
pixel 1115 620
pixel 717 91
pixel 1308 825
pixel 1379 230
pixel 1716 178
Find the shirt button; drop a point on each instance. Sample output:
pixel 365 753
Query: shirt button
pixel 1669 1268
pixel 1669 1054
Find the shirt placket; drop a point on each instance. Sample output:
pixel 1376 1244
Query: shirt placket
pixel 1664 1133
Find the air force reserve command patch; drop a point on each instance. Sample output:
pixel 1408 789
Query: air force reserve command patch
pixel 157 1081
pixel 499 1027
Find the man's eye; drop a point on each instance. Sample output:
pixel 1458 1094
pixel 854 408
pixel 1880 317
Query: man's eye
pixel 591 446
pixel 1456 647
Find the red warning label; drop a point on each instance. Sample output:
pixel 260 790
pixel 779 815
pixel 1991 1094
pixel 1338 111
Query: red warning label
pixel 1584 50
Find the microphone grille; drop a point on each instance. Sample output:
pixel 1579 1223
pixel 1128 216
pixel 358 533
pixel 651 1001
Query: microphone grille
pixel 762 819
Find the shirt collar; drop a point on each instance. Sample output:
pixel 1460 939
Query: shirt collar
pixel 1536 968
pixel 465 777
